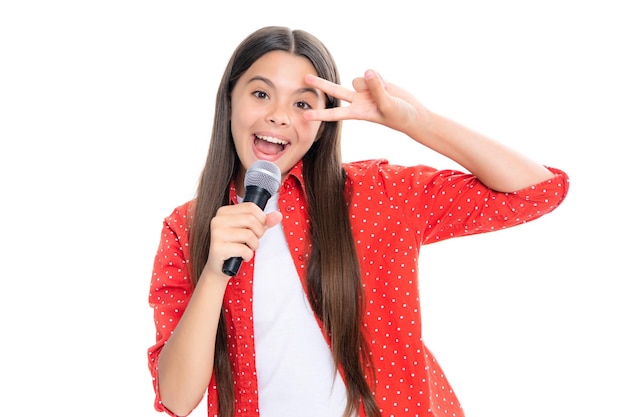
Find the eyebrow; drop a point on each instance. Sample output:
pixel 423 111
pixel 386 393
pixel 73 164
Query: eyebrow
pixel 271 84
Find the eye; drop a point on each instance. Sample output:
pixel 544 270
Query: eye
pixel 260 94
pixel 303 105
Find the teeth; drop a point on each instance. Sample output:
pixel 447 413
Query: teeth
pixel 272 140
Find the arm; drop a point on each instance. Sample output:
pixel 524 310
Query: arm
pixel 185 362
pixel 375 100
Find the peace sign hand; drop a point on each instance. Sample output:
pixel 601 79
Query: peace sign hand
pixel 372 99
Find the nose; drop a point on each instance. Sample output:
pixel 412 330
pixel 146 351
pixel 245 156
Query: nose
pixel 278 116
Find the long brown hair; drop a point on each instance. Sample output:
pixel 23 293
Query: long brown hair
pixel 333 276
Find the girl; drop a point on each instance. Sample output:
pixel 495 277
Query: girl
pixel 323 318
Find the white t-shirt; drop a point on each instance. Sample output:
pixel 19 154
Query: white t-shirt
pixel 295 367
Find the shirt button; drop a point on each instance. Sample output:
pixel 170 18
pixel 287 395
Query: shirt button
pixel 290 208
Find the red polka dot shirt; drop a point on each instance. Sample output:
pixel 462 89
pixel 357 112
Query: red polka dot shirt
pixel 394 210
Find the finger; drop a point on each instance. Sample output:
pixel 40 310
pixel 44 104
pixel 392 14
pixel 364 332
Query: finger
pixel 273 219
pixel 228 242
pixel 375 83
pixel 231 223
pixel 226 250
pixel 244 209
pixel 329 88
pixel 332 114
pixel 359 84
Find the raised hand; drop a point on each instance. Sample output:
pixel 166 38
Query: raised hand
pixel 373 99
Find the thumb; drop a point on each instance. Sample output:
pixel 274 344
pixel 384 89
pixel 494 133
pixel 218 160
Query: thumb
pixel 378 89
pixel 272 219
pixel 376 84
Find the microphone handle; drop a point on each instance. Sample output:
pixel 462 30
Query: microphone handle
pixel 259 196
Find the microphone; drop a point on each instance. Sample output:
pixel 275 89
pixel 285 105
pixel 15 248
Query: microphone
pixel 262 181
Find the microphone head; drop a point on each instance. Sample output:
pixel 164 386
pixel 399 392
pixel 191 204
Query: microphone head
pixel 264 174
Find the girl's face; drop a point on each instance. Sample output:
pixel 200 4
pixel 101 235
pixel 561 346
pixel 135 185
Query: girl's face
pixel 267 105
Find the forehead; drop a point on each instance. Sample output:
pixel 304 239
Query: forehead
pixel 276 65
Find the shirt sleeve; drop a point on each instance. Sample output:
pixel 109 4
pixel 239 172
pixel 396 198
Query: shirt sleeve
pixel 448 203
pixel 170 288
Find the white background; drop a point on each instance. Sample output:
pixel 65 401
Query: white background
pixel 105 115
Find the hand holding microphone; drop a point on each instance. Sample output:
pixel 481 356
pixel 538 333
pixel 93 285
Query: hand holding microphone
pixel 261 182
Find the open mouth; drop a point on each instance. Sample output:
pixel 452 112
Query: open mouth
pixel 269 145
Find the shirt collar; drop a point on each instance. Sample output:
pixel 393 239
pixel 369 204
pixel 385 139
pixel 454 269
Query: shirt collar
pixel 296 175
